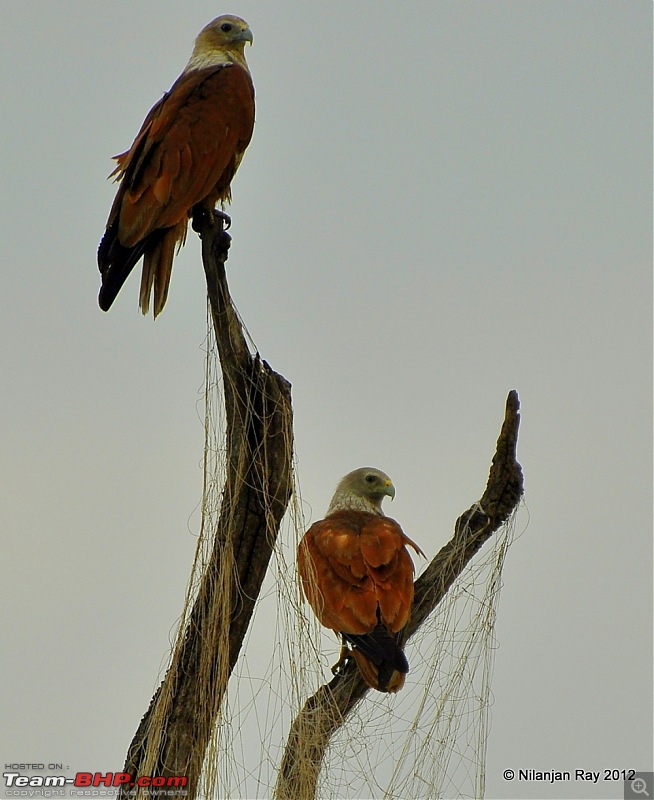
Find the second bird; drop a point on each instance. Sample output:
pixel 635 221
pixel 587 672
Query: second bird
pixel 357 575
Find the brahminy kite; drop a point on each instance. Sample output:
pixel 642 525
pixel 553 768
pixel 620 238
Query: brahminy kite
pixel 357 575
pixel 181 162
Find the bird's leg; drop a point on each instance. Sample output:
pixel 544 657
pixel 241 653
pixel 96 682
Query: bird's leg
pixel 207 219
pixel 344 656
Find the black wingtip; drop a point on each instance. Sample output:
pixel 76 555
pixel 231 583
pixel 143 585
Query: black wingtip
pixel 115 262
pixel 104 300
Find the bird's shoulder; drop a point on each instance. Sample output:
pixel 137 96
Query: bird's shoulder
pixel 205 94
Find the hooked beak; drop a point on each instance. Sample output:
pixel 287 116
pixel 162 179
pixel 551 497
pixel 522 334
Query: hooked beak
pixel 246 35
pixel 390 490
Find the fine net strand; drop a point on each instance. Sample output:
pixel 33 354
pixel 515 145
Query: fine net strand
pixel 428 741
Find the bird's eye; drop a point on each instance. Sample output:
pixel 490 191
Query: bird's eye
pixel 370 478
pixel 226 27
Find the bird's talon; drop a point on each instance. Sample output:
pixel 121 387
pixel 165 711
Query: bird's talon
pixel 227 220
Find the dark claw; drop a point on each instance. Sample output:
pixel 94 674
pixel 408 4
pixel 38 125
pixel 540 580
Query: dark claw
pixel 200 218
pixel 227 220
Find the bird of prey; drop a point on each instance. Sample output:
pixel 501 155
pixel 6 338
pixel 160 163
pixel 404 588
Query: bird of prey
pixel 182 162
pixel 357 575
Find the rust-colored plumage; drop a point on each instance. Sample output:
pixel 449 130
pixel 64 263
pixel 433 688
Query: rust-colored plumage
pixel 357 575
pixel 184 156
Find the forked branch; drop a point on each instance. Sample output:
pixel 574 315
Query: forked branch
pixel 326 711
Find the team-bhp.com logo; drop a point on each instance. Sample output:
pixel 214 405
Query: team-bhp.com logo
pixel 88 780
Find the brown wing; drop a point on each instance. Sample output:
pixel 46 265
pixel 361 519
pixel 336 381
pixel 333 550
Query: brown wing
pixel 358 577
pixel 186 153
pixel 187 149
pixel 353 563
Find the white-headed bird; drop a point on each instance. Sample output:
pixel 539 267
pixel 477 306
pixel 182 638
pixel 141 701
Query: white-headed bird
pixel 183 159
pixel 357 575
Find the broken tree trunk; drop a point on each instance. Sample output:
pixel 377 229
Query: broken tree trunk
pixel 173 735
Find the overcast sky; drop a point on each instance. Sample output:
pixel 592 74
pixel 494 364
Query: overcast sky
pixel 442 201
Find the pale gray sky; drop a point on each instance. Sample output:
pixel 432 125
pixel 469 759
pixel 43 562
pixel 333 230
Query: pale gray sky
pixel 442 201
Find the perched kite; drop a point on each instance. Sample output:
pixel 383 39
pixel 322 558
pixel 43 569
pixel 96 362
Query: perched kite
pixel 358 577
pixel 182 160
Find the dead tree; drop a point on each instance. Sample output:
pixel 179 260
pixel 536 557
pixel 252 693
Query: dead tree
pixel 173 735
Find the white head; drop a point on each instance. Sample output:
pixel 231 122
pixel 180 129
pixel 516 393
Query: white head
pixel 362 489
pixel 221 41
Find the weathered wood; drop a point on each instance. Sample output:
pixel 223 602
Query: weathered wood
pixel 174 733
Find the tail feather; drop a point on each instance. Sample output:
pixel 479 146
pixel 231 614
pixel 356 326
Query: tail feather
pixel 383 678
pixel 158 267
pixel 380 658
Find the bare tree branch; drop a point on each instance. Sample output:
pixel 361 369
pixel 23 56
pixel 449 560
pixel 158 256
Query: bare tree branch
pixel 326 711
pixel 174 733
